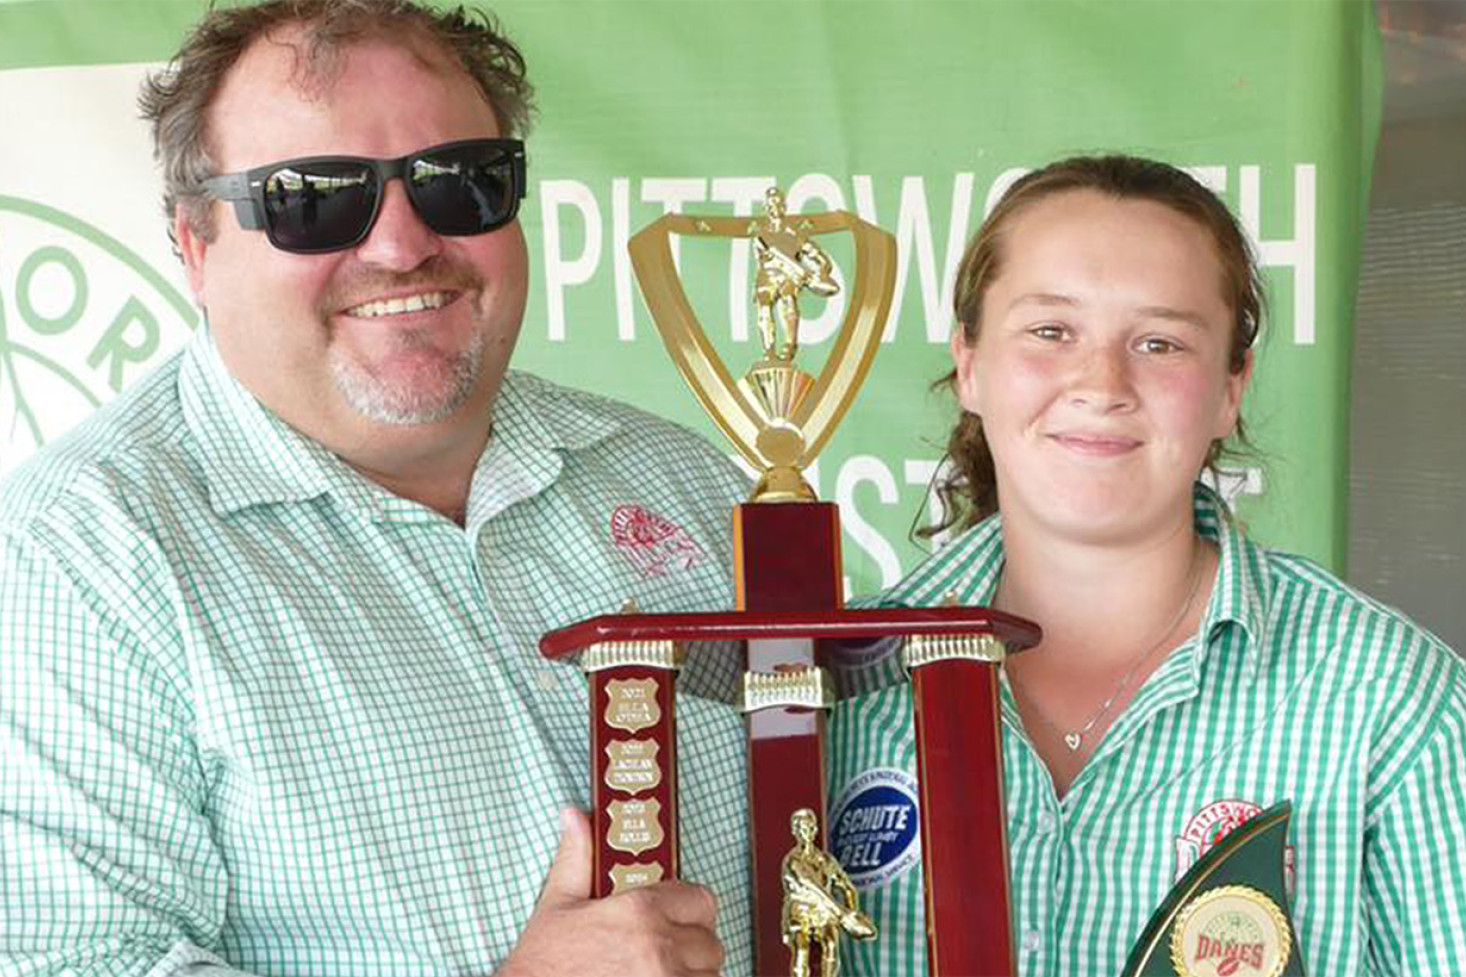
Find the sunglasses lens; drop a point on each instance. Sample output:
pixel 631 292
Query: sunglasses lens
pixel 323 208
pixel 464 190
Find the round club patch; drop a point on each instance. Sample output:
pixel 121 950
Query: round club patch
pixel 1231 931
pixel 875 830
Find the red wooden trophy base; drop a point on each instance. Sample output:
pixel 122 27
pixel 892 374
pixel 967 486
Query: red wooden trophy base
pixel 789 593
pixel 787 559
pixel 633 777
pixel 964 845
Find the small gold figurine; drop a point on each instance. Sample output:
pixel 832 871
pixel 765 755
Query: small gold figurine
pixel 788 263
pixel 819 901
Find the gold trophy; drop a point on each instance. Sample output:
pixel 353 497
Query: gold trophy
pixel 790 621
pixel 777 415
pixel 787 543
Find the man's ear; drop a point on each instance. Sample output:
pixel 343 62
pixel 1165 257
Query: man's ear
pixel 191 248
pixel 964 361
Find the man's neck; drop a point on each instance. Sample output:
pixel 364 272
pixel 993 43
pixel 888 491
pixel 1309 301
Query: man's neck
pixel 439 482
pixel 431 464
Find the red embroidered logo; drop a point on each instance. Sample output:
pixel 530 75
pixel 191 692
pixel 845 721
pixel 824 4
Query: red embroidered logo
pixel 652 544
pixel 1213 823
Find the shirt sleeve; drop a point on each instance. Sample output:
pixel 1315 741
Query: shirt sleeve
pixel 1415 851
pixel 107 866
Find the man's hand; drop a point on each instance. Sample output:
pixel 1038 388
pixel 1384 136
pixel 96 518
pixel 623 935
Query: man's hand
pixel 662 929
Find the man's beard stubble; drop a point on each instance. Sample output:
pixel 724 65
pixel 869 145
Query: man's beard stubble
pixel 410 401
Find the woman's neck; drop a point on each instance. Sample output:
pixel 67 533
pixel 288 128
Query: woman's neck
pixel 1108 598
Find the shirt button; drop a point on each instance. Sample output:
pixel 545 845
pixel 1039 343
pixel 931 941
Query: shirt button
pixel 1046 822
pixel 1031 941
pixel 546 680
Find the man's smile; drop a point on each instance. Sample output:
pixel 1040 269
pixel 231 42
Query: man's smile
pixel 401 305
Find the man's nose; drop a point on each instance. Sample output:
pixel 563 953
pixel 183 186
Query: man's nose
pixel 399 241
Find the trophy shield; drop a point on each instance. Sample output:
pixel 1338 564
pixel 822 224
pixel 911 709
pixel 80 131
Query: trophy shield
pixel 790 625
pixel 1228 915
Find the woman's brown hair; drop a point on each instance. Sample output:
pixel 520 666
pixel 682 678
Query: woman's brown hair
pixel 969 492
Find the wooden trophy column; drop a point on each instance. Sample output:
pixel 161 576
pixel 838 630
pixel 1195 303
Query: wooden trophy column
pixel 788 559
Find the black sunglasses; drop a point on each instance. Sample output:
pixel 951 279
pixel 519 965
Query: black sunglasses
pixel 329 203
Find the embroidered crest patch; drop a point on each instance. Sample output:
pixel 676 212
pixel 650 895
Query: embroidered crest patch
pixel 1210 825
pixel 654 545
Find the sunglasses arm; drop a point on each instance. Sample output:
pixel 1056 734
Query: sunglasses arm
pixel 235 188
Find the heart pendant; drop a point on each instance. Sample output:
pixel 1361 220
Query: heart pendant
pixel 1072 740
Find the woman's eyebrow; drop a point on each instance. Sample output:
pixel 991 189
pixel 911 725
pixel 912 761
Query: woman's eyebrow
pixel 1172 314
pixel 1043 299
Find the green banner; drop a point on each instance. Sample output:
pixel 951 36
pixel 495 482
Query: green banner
pixel 915 115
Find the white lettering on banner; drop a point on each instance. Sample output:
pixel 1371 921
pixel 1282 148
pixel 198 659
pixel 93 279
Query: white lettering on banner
pixel 672 193
pixel 927 475
pixel 916 232
pixel 1233 483
pixel 856 470
pixel 822 188
pixel 1299 252
pixel 1214 178
pixel 621 258
pixel 1000 186
pixel 559 270
pixel 914 235
pixel 744 193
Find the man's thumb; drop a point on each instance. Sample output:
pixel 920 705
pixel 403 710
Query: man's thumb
pixel 569 876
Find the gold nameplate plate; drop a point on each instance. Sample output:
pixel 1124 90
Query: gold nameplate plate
pixel 634 876
pixel 635 826
pixel 633 767
pixel 633 704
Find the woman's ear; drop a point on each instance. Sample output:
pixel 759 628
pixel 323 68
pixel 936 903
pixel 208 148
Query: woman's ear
pixel 964 362
pixel 1232 401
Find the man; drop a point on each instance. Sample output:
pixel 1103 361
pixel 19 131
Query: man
pixel 272 701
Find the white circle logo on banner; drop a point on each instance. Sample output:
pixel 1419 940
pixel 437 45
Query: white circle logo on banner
pixel 81 317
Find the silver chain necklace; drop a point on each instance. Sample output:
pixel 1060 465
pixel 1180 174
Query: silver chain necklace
pixel 1074 739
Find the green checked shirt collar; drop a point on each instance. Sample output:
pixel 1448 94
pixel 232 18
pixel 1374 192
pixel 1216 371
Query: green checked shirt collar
pixel 252 457
pixel 970 568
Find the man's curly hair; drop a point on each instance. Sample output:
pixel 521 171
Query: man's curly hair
pixel 175 101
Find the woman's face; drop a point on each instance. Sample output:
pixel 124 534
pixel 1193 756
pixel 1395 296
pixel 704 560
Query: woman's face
pixel 1100 367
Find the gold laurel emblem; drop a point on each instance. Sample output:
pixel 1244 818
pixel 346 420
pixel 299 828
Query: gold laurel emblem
pixel 1231 931
pixel 634 876
pixel 636 826
pixel 633 704
pixel 633 767
pixel 777 416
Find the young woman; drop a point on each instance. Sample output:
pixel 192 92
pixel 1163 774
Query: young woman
pixel 1188 678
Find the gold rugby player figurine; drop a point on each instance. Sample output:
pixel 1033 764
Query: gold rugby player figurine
pixel 788 263
pixel 819 901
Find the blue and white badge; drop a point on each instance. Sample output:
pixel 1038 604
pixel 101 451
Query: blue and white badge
pixel 875 830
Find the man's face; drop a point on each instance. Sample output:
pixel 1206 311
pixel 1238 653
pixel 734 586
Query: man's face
pixel 407 327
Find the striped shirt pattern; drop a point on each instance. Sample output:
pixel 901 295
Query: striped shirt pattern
pixel 1296 687
pixel 258 714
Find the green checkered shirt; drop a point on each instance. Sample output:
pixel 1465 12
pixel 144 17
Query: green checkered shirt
pixel 257 712
pixel 1299 689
